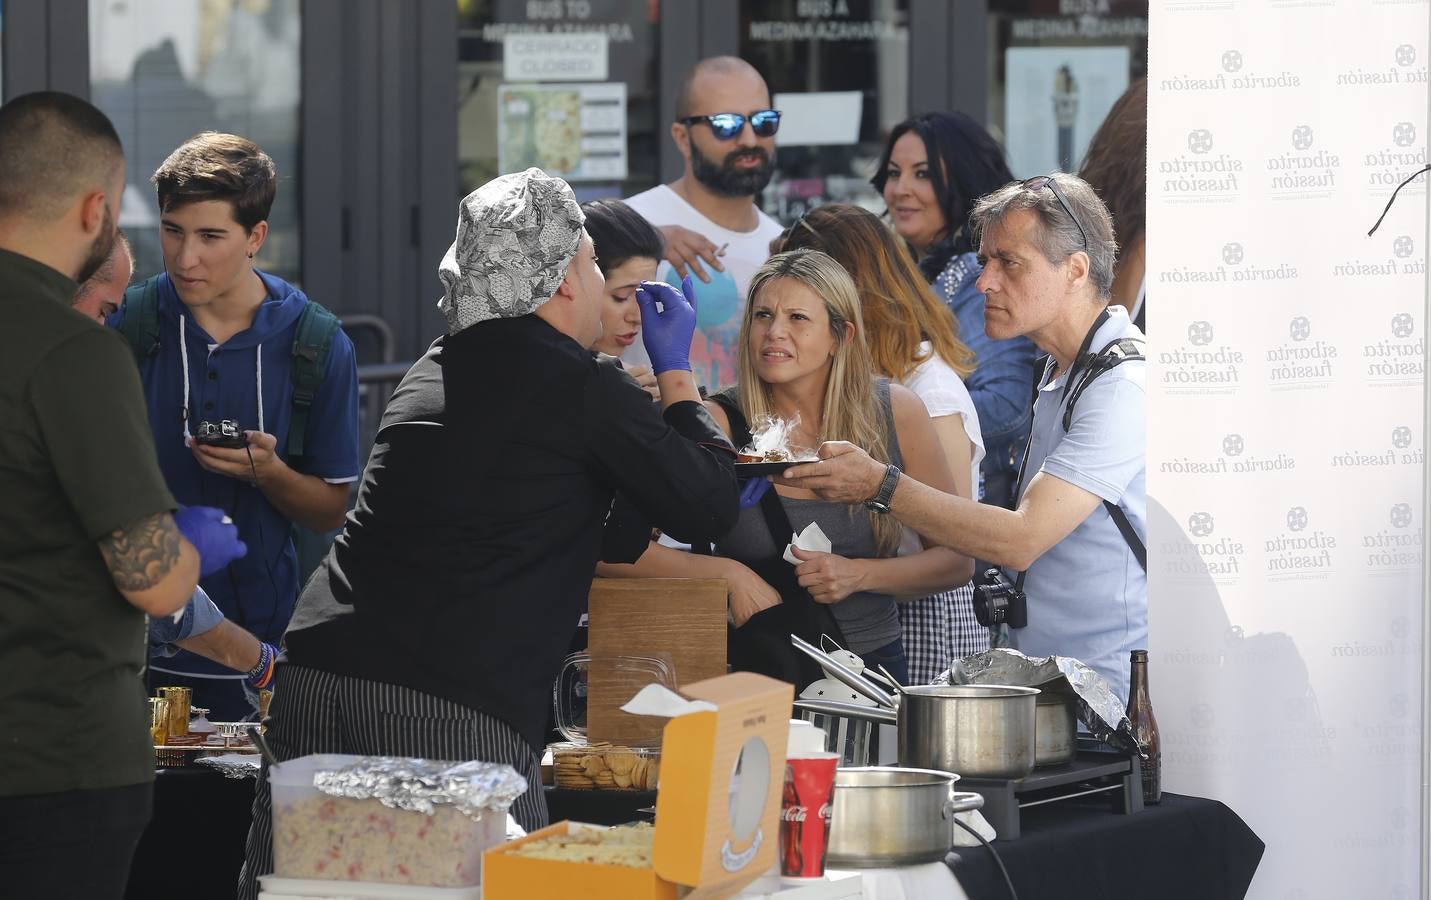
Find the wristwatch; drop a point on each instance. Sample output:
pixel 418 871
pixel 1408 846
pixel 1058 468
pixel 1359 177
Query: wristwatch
pixel 880 501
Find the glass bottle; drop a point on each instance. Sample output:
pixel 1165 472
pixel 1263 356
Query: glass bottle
pixel 1145 728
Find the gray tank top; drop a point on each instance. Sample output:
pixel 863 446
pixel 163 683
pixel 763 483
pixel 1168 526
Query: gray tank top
pixel 868 620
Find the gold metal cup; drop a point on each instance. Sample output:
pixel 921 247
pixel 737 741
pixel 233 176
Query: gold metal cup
pixel 158 719
pixel 179 702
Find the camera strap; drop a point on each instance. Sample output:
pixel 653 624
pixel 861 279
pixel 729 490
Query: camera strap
pixel 1124 350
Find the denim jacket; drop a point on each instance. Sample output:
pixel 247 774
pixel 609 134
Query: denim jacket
pixel 1002 382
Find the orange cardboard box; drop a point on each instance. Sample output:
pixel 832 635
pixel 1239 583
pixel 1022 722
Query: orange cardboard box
pixel 717 826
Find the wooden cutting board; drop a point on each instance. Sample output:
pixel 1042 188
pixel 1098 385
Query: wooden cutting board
pixel 680 620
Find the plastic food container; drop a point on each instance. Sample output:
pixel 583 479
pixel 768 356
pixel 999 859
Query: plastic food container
pixel 318 836
pixel 605 767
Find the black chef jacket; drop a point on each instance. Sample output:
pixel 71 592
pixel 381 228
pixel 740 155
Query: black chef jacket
pixel 466 563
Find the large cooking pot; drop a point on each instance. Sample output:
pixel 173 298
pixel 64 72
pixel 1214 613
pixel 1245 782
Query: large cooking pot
pixel 1056 730
pixel 976 730
pixel 894 816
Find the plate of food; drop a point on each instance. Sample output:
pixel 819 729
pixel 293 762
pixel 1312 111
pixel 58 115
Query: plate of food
pixel 772 462
pixel 771 451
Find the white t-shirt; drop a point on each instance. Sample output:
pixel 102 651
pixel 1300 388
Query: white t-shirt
pixel 720 305
pixel 944 394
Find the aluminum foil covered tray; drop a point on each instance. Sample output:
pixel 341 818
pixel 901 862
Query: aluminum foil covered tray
pixel 1099 709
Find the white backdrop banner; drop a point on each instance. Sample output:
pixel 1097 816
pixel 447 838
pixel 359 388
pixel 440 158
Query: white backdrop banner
pixel 1285 450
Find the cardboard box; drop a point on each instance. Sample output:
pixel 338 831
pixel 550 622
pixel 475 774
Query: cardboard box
pixel 717 829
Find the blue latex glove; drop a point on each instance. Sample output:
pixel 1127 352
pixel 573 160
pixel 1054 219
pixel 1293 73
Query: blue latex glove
pixel 212 534
pixel 751 490
pixel 667 334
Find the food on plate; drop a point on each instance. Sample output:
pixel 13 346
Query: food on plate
pixel 624 845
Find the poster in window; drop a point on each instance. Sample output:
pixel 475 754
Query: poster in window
pixel 1054 101
pixel 572 131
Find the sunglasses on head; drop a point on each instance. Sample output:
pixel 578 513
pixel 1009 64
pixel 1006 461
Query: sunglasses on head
pixel 1040 182
pixel 725 126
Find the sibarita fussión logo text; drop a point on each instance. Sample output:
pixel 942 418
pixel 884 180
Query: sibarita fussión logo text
pixel 1233 264
pixel 1202 364
pixel 1233 72
pixel 1299 550
pixel 1397 358
pixel 1305 170
pixel 1203 174
pixel 1236 459
pixel 1302 360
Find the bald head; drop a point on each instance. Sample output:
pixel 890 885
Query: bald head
pixel 710 72
pixel 54 150
pixel 101 294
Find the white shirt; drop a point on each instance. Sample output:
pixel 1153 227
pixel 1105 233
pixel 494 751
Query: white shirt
pixel 944 394
pixel 720 305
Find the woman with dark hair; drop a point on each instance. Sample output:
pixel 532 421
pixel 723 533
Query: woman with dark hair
pixel 933 169
pixel 914 341
pixel 628 250
pixel 1116 167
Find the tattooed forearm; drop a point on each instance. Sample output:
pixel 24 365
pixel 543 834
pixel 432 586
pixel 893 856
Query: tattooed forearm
pixel 142 553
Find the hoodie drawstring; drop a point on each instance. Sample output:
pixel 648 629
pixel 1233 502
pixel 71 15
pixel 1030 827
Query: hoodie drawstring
pixel 184 357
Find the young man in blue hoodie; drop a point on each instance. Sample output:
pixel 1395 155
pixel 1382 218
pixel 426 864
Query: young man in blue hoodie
pixel 217 339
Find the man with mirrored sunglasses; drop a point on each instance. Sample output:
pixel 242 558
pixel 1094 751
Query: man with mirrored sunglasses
pixel 725 128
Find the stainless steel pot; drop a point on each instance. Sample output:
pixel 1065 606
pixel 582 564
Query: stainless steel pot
pixel 1056 728
pixel 976 730
pixel 894 816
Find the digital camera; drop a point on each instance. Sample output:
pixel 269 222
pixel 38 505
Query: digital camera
pixel 997 602
pixel 225 434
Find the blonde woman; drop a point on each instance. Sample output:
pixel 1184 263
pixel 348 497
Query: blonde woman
pixel 802 353
pixel 915 341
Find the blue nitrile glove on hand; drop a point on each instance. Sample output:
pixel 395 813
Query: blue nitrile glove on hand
pixel 667 333
pixel 212 534
pixel 751 490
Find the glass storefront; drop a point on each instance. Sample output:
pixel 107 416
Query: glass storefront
pixel 569 86
pixel 1055 69
pixel 839 71
pixel 164 70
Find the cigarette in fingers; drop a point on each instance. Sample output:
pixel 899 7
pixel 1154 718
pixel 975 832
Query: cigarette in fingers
pixel 721 251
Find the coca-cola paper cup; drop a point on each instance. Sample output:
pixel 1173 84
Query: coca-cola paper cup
pixel 805 814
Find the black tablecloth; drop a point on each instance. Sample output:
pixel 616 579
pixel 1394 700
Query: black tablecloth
pixel 194 844
pixel 1185 848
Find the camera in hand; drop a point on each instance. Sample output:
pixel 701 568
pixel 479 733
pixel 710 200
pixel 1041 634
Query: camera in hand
pixel 226 434
pixel 998 602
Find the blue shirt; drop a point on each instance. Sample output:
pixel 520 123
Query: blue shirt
pixel 1002 382
pixel 198 616
pixel 1088 595
pixel 257 591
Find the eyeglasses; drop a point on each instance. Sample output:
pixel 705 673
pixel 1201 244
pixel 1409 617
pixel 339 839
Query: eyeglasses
pixel 725 126
pixel 1040 182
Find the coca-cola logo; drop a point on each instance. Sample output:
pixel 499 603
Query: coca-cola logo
pixel 797 814
pixel 826 811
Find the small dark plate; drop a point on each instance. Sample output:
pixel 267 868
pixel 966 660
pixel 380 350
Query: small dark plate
pixel 749 470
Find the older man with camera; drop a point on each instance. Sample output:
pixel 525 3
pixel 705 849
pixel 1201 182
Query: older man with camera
pixel 1074 546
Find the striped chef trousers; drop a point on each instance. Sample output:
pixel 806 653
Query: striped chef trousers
pixel 319 712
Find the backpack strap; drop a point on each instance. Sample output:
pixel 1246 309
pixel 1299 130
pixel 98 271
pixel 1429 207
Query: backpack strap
pixel 1109 358
pixel 140 325
pixel 312 341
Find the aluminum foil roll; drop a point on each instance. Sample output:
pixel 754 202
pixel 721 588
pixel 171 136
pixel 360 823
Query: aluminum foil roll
pixel 421 785
pixel 1099 709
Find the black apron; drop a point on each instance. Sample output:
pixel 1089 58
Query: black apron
pixel 762 644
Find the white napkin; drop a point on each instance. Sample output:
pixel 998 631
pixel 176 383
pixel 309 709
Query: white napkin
pixel 811 540
pixel 657 700
pixel 976 821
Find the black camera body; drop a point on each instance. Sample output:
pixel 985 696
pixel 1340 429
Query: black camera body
pixel 226 434
pixel 997 602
